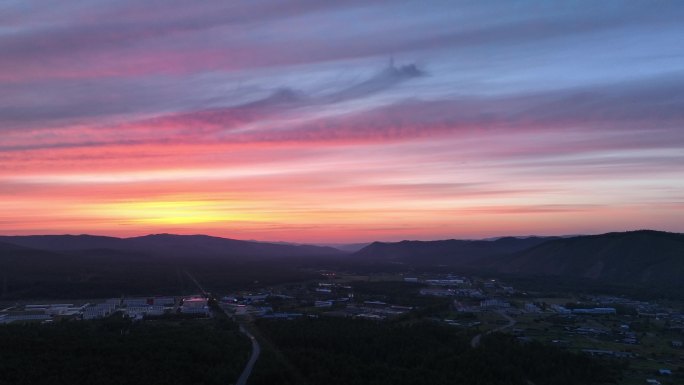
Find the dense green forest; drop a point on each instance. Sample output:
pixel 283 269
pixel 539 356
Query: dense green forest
pixel 111 274
pixel 341 351
pixel 116 351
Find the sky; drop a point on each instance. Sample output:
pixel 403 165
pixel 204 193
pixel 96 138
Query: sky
pixel 341 121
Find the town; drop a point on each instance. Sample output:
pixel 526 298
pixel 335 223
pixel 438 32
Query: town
pixel 644 336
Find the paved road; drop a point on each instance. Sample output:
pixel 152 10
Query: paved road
pixel 475 342
pixel 256 350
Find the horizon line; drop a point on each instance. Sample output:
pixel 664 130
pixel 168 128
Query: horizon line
pixel 491 238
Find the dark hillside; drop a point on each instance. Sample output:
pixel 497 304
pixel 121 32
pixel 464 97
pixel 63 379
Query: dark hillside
pixel 454 253
pixel 638 257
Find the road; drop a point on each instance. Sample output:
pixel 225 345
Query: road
pixel 475 342
pixel 256 350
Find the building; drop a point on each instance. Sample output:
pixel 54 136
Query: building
pixel 256 297
pixel 437 292
pixel 374 304
pixel 195 305
pixel 445 282
pixel 470 293
pixel 94 313
pixel 283 315
pixel 595 311
pixel 607 353
pixel 47 306
pixel 25 318
pixel 100 310
pixel 401 308
pixel 145 310
pixel 494 304
pixel 194 302
pixel 323 303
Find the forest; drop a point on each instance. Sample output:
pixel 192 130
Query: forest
pixel 117 351
pixel 341 351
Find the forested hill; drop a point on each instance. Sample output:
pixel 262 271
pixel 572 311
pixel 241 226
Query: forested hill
pixel 84 266
pixel 643 257
pixel 639 257
pixel 452 252
pixel 169 245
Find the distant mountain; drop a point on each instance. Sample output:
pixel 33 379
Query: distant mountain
pixel 637 257
pixel 64 242
pixel 85 266
pixel 643 257
pixel 169 245
pixel 452 252
pixel 346 247
pixel 82 266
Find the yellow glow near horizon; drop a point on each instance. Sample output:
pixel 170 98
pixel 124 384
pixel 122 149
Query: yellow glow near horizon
pixel 175 212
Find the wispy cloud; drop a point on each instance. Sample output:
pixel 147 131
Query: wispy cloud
pixel 504 117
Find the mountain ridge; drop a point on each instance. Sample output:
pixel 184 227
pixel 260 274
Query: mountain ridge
pixel 641 257
pixel 168 244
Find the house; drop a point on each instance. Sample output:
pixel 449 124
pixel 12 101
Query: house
pixel 676 344
pixel 401 308
pixel 375 304
pixel 140 311
pixel 665 372
pixel 283 315
pixel 25 317
pixel 100 310
pixel 607 353
pixel 437 292
pixel 494 304
pixel 323 303
pixel 445 282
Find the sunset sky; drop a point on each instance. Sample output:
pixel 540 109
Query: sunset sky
pixel 341 121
